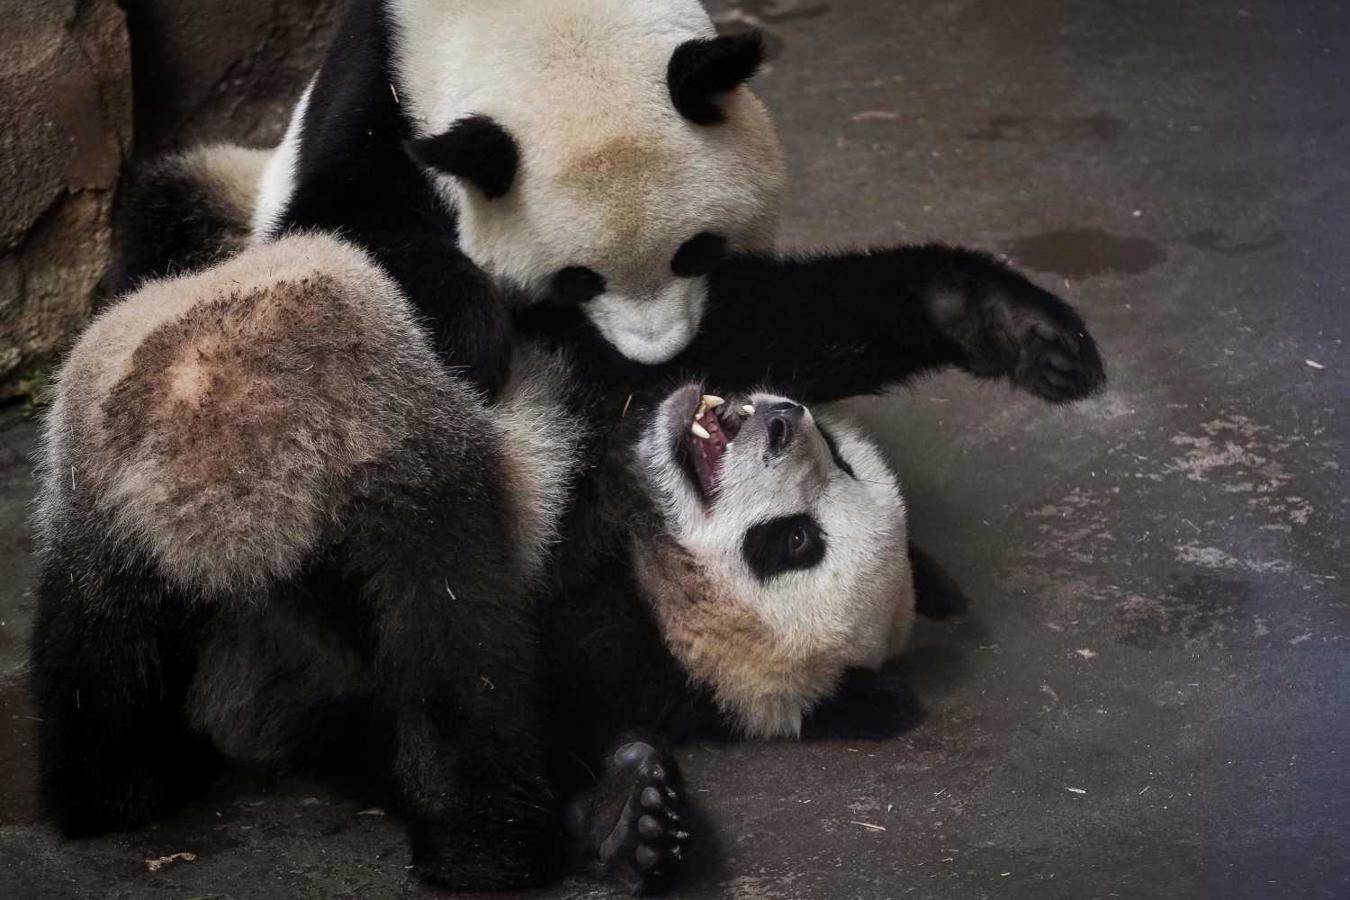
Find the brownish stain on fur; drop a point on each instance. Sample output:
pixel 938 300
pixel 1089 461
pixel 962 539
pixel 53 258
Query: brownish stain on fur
pixel 724 644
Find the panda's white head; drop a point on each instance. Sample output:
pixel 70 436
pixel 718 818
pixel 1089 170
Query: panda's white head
pixel 601 152
pixel 782 558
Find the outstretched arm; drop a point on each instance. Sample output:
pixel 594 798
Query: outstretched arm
pixel 826 327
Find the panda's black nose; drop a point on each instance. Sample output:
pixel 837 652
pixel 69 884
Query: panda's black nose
pixel 783 422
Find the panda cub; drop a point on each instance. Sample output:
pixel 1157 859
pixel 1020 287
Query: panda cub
pixel 275 527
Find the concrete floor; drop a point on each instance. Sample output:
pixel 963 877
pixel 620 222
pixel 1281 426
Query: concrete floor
pixel 1151 696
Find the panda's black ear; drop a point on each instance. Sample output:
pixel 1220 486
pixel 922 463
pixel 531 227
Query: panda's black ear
pixel 702 71
pixel 475 149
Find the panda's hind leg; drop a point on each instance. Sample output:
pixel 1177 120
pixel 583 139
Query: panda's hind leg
pixel 455 673
pixel 634 823
pixel 111 663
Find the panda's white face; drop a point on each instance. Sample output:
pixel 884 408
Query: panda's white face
pixel 615 171
pixel 788 557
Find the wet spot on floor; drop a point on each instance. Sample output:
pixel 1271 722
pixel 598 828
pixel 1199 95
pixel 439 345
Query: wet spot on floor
pixel 775 12
pixel 1218 241
pixel 1097 128
pixel 1079 253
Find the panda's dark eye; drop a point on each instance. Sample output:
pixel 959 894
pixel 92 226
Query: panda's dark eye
pixel 576 284
pixel 783 545
pixel 698 255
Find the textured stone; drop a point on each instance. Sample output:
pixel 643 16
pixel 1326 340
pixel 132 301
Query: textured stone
pixel 65 129
pixel 222 70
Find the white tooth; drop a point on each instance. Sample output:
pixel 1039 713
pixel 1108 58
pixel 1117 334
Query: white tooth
pixel 700 431
pixel 748 409
pixel 712 401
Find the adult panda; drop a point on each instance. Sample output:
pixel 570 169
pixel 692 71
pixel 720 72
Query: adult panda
pixel 273 526
pixel 600 154
pixel 478 148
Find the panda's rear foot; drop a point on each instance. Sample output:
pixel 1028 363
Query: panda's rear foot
pixel 638 820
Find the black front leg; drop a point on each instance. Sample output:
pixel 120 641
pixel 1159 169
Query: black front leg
pixel 867 705
pixel 827 327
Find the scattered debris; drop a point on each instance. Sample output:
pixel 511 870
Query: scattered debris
pixel 1314 365
pixel 869 826
pixel 373 811
pixel 1086 653
pixel 1145 790
pixel 876 115
pixel 154 865
pixel 1075 790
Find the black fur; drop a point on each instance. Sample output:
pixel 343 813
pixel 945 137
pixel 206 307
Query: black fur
pixel 867 705
pixel 635 820
pixel 356 177
pixel 576 284
pixel 475 149
pixel 702 71
pixel 936 594
pixel 698 255
pixel 824 328
pixel 781 545
pixel 168 223
pixel 112 656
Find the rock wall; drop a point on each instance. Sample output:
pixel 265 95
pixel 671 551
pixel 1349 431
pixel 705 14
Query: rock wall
pixel 69 70
pixel 65 131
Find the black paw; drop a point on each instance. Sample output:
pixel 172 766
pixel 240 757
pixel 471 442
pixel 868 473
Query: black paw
pixel 641 822
pixel 867 705
pixel 1054 357
pixel 1009 327
pixel 936 594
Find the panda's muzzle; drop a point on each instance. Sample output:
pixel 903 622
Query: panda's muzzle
pixel 783 422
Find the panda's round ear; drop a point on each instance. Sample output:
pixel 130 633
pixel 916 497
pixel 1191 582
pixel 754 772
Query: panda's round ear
pixel 703 70
pixel 475 149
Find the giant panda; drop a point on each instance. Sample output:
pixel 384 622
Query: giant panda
pixel 275 527
pixel 594 167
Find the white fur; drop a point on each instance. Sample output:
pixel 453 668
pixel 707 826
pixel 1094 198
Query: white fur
pixel 855 608
pixel 611 176
pixel 278 179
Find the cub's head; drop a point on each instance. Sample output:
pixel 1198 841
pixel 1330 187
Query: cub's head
pixel 782 557
pixel 599 152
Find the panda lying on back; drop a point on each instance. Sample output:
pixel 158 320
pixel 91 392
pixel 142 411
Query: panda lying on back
pixel 273 524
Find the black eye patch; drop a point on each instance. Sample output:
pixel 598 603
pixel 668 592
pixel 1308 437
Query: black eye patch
pixel 834 452
pixel 698 255
pixel 781 545
pixel 576 284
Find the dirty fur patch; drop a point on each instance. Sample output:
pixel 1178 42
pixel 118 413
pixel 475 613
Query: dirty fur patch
pixel 223 421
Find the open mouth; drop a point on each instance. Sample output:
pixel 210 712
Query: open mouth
pixel 701 445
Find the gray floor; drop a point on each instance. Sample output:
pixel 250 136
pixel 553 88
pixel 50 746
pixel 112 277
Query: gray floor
pixel 1150 697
